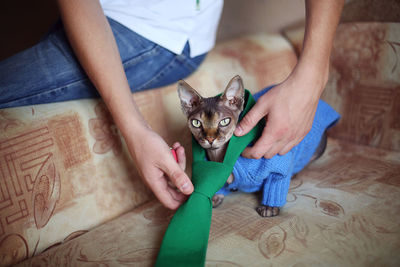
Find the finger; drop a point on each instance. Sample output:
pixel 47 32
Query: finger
pixel 263 144
pixel 288 147
pixel 165 194
pixel 273 150
pixel 180 152
pixel 177 196
pixel 252 153
pixel 257 151
pixel 250 120
pixel 176 145
pixel 178 176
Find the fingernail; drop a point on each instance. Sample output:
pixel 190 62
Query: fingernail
pixel 185 188
pixel 238 130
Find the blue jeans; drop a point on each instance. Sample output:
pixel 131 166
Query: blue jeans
pixel 49 71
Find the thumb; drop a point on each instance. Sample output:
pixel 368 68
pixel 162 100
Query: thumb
pixel 178 177
pixel 256 113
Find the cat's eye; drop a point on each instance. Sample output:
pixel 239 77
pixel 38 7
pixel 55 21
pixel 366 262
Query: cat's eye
pixel 196 123
pixel 225 122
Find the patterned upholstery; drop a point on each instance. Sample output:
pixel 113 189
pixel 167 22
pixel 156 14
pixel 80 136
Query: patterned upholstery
pixel 338 214
pixel 66 177
pixel 364 82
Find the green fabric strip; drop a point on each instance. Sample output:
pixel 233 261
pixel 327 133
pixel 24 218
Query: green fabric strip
pixel 186 239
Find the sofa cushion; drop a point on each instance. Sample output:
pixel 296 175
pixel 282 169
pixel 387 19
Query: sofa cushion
pixel 342 211
pixel 64 167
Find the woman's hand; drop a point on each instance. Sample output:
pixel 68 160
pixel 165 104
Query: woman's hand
pixel 156 165
pixel 289 110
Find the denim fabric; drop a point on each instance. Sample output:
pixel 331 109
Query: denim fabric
pixel 49 71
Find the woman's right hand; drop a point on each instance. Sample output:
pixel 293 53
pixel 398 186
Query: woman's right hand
pixel 157 166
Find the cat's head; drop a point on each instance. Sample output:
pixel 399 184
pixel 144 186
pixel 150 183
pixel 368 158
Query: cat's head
pixel 212 120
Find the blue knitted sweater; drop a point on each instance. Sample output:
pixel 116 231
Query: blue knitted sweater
pixel 272 176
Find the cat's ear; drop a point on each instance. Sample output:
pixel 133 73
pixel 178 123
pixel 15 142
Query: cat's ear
pixel 233 96
pixel 190 99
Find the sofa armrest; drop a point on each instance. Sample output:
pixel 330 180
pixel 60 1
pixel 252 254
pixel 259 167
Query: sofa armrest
pixel 364 82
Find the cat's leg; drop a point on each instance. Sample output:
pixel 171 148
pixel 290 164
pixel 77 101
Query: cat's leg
pixel 271 185
pixel 321 148
pixel 274 189
pixel 217 200
pixel 267 211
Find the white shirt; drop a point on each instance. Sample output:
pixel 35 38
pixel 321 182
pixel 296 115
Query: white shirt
pixel 170 23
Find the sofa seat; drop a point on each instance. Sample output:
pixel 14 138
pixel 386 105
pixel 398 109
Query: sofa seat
pixel 342 210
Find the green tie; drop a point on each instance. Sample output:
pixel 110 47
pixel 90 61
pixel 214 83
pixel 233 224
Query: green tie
pixel 185 241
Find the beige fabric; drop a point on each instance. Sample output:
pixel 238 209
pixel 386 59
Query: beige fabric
pixel 64 168
pixel 342 211
pixel 365 84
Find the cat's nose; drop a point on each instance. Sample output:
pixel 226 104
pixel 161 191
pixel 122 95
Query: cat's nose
pixel 210 139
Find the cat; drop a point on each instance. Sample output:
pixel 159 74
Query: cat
pixel 212 122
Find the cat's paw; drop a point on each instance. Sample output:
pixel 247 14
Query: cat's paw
pixel 217 200
pixel 267 211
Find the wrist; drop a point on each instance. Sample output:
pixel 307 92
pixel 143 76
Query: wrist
pixel 129 120
pixel 313 74
pixel 135 129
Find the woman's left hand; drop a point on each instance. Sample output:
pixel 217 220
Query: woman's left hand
pixel 289 110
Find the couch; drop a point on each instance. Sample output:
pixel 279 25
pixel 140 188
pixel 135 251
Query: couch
pixel 71 196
